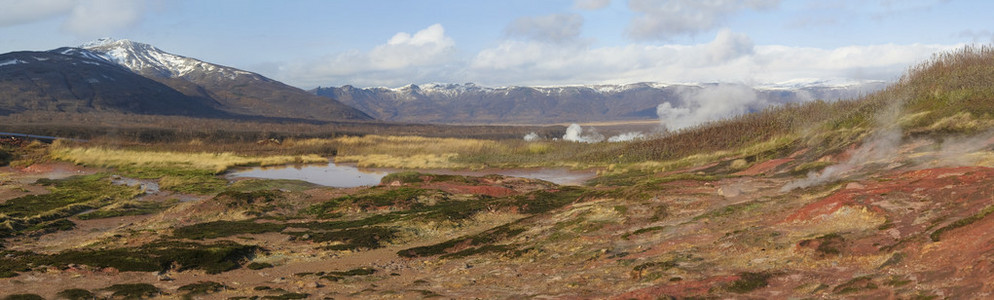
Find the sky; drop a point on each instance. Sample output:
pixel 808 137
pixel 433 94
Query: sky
pixel 364 43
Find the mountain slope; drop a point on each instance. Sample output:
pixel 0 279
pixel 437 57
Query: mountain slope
pixel 235 90
pixel 78 81
pixel 469 103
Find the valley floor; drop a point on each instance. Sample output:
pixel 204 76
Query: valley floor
pixel 913 224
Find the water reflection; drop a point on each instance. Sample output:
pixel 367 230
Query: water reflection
pixel 345 175
pixel 328 175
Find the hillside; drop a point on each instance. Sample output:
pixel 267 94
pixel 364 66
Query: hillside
pixel 470 103
pixel 237 91
pixel 55 81
pixel 884 196
pixel 129 77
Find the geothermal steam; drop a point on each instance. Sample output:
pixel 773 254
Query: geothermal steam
pixel 709 103
pixel 574 133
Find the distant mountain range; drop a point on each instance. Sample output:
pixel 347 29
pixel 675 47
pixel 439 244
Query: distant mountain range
pixel 131 77
pixel 470 103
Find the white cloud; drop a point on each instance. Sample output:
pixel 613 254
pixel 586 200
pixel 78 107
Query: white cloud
pixel 404 58
pixel 543 63
pixel 552 28
pixel 431 56
pixel 403 50
pixel 98 17
pixel 664 19
pixel 84 18
pixel 16 12
pixel 591 4
pixel 730 57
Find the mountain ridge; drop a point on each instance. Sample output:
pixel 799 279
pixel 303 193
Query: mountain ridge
pixel 234 90
pixel 53 81
pixel 471 103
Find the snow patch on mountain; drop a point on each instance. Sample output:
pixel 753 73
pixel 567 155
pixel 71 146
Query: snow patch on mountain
pixel 147 59
pixel 12 62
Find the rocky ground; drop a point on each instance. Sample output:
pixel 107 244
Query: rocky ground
pixel 909 223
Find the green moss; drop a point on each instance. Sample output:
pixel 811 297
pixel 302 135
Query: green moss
pixel 259 265
pixel 341 275
pixel 937 234
pixel 629 178
pixel 403 177
pixel 216 229
pixel 252 185
pixel 507 249
pixel 642 230
pixel 5 158
pixel 354 238
pixel 415 177
pixel 288 296
pixel 664 265
pixel 355 272
pixel 199 184
pixel 131 208
pixel 749 281
pixel 855 285
pixel 831 244
pixel 730 210
pixel 893 260
pixel 90 190
pixel 157 256
pixel 813 166
pixel 484 238
pixel 191 181
pixel 133 291
pixel 236 199
pixel 404 197
pixel 24 297
pixel 201 288
pixel 546 200
pixel 51 226
pixel 76 294
pixel 68 197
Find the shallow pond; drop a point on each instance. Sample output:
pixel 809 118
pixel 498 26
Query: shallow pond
pixel 345 175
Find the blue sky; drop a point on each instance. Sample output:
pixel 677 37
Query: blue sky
pixel 520 42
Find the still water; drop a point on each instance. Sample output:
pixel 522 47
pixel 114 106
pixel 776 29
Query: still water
pixel 345 175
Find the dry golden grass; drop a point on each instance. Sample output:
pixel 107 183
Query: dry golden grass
pixel 412 152
pixel 215 162
pixel 413 161
pixel 405 145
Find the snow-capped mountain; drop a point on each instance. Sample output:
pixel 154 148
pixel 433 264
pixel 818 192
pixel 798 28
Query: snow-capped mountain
pixel 471 103
pixel 78 81
pixel 234 90
pixel 150 61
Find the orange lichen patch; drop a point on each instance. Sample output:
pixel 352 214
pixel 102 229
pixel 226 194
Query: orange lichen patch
pixel 764 167
pixel 967 251
pixel 833 203
pixel 931 182
pixel 678 289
